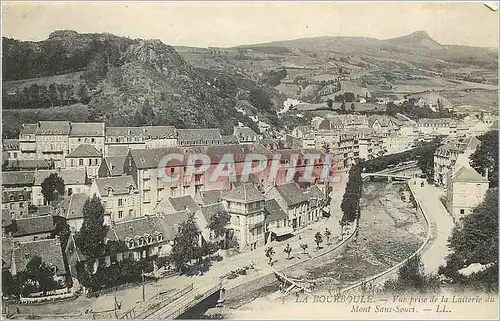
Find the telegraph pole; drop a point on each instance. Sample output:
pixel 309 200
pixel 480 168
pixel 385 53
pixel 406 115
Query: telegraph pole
pixel 143 287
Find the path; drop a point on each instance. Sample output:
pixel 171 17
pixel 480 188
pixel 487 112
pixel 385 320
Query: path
pixel 440 221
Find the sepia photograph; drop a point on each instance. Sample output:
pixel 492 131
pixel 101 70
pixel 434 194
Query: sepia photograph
pixel 250 160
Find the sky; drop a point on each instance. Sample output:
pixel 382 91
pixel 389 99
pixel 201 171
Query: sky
pixel 227 24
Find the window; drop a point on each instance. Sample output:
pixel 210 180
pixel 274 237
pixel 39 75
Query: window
pixel 120 214
pixel 92 140
pixel 80 162
pixel 462 211
pixel 120 202
pixel 21 204
pixel 131 212
pixel 160 237
pixel 70 191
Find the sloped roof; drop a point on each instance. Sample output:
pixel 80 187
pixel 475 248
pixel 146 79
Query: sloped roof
pixel 84 150
pixel 115 151
pixel 135 227
pixel 18 178
pixel 245 193
pixel 291 193
pixel 33 225
pixel 87 129
pixel 10 144
pixel 211 196
pixel 171 222
pixel 71 176
pixel 125 131
pixel 49 250
pixel 198 134
pixel 229 139
pixel 275 212
pixel 72 207
pixel 183 202
pixel 27 164
pixel 315 192
pixel 115 164
pixel 159 131
pixel 16 196
pixel 118 184
pixel 53 127
pixel 468 175
pixel 28 129
pixel 210 210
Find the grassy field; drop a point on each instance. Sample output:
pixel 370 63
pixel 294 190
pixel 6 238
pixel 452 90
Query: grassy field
pixel 12 119
pixel 72 78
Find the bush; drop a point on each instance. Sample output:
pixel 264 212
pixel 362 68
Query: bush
pixel 411 277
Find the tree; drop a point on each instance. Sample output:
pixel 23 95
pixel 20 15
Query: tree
pixel 218 223
pixel 83 93
pixel 186 246
pixel 328 234
pixel 318 239
pixel 411 276
pixel 39 272
pixel 269 254
pixel 304 247
pixel 485 158
pixel 10 286
pixel 52 187
pixel 93 231
pixel 475 240
pixel 329 103
pixel 288 250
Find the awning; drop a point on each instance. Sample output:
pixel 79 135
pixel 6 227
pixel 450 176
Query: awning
pixel 282 231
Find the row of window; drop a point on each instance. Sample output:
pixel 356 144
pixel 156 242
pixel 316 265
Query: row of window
pixel 90 162
pixel 142 241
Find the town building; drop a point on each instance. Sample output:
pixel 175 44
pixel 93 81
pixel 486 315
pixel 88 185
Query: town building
pixel 245 204
pixel 27 141
pixel 32 228
pixel 75 181
pixel 201 136
pixel 49 250
pixel 17 203
pixel 446 156
pixel 276 221
pixel 294 203
pixel 466 189
pixel 119 196
pixel 19 180
pixel 26 164
pixel 85 157
pixel 10 149
pixel 87 134
pixel 245 135
pixel 176 204
pixel 52 141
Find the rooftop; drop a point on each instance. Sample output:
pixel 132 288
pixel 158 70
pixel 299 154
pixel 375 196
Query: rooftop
pixel 115 164
pixel 49 250
pixel 18 178
pixel 87 129
pixel 117 184
pixel 53 127
pixel 468 174
pixel 71 176
pixel 27 164
pixel 84 150
pixel 245 193
pixel 292 193
pixel 274 211
pixel 10 144
pixel 33 225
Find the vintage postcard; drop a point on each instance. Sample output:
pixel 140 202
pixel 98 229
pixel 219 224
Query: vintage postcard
pixel 249 160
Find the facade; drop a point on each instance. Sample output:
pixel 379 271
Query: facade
pixel 52 141
pixel 87 133
pixel 17 203
pixel 438 126
pixel 119 196
pixel 466 189
pixel 27 141
pixel 75 181
pixel 276 221
pixel 202 136
pixel 446 156
pixel 85 157
pixel 293 202
pixel 245 204
pixel 10 148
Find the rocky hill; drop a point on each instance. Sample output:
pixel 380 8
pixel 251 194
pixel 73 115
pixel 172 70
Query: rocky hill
pixel 126 82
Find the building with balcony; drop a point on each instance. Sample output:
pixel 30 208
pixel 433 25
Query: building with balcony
pixel 245 204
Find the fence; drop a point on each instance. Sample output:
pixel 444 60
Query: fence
pixel 152 308
pixel 185 307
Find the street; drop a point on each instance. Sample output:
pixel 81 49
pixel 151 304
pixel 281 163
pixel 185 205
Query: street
pixel 440 221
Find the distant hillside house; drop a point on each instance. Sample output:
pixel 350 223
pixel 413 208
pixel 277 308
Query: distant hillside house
pixel 52 141
pixel 245 135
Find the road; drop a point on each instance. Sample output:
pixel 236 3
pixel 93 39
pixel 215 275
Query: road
pixel 441 224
